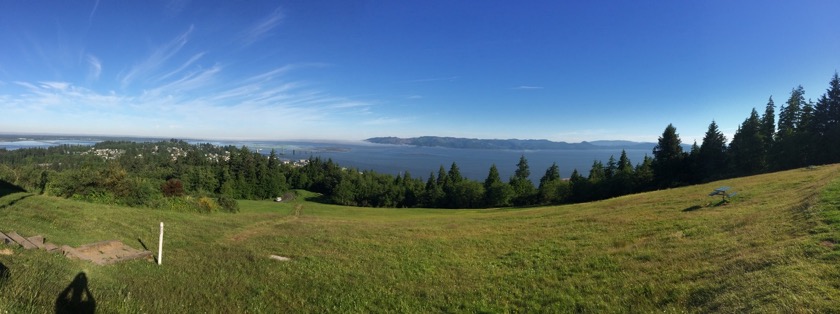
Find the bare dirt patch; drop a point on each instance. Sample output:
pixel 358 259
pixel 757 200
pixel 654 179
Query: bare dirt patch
pixel 106 252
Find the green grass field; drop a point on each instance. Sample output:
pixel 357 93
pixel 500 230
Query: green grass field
pixel 772 249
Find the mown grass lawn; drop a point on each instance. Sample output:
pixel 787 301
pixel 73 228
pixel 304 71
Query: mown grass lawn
pixel 773 248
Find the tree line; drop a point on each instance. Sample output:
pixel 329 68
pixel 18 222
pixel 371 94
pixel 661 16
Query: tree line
pixel 203 177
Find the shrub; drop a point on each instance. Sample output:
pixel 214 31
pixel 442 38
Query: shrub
pixel 207 205
pixel 228 204
pixel 172 187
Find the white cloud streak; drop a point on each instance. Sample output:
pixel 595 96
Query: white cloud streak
pixel 527 87
pixel 201 103
pixel 156 59
pixel 92 12
pixel 95 67
pixel 434 79
pixel 263 28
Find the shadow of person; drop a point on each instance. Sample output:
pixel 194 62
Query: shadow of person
pixel 4 274
pixel 76 298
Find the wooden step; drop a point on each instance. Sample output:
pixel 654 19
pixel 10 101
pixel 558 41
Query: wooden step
pixel 22 241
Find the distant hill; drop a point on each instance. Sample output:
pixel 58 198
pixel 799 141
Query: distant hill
pixel 512 144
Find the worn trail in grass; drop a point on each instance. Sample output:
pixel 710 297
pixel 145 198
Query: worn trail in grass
pixel 772 249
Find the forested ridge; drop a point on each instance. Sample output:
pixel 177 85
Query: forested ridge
pixel 178 176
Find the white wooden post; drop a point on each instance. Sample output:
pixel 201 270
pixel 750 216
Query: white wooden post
pixel 160 245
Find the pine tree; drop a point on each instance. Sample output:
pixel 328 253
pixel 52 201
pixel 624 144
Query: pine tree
pixel 611 169
pixel 624 164
pixel 768 126
pixel 787 149
pixel 454 174
pixel 552 189
pixel 643 174
pixel 496 192
pixel 551 174
pixel 712 155
pixel 826 124
pixel 623 179
pixel 597 173
pixel 521 183
pixel 747 147
pixel 668 158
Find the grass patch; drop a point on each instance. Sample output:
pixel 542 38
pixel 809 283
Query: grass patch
pixel 774 248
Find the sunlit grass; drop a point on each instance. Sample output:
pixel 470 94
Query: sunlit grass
pixel 771 249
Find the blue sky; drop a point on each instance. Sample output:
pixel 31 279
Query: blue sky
pixel 349 70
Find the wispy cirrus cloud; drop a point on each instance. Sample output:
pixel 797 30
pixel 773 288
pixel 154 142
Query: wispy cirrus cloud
pixel 92 12
pixel 156 59
pixel 433 79
pixel 175 7
pixel 263 27
pixel 527 87
pixel 94 67
pixel 204 100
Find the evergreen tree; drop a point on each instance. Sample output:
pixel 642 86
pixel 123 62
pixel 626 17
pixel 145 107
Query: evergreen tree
pixel 826 124
pixel 611 169
pixel 597 173
pixel 597 181
pixel 747 147
pixel 433 193
pixel 789 114
pixel 643 174
pixel 668 158
pixel 523 188
pixel 552 189
pixel 712 155
pixel 623 180
pixel 768 126
pixel 579 187
pixel 691 165
pixel 454 174
pixel 551 174
pixel 442 178
pixel 787 147
pixel 624 164
pixel 496 192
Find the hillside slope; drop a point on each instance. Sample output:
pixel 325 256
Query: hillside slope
pixel 773 248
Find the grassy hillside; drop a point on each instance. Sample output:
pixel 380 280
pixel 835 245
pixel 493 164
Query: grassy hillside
pixel 772 249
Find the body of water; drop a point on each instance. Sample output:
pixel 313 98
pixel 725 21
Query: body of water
pixel 398 159
pixel 421 161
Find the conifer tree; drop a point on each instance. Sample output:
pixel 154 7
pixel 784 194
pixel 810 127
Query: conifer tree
pixel 496 192
pixel 521 183
pixel 611 169
pixel 787 150
pixel 712 155
pixel 668 158
pixel 597 172
pixel 552 189
pixel 768 126
pixel 826 124
pixel 747 147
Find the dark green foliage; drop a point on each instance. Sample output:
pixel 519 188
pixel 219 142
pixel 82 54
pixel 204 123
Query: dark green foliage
pixel 496 192
pixel 791 132
pixel 552 189
pixel 711 158
pixel 768 125
pixel 668 156
pixel 747 147
pixel 228 204
pixel 523 188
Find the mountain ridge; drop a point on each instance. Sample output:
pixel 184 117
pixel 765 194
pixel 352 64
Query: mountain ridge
pixel 512 144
